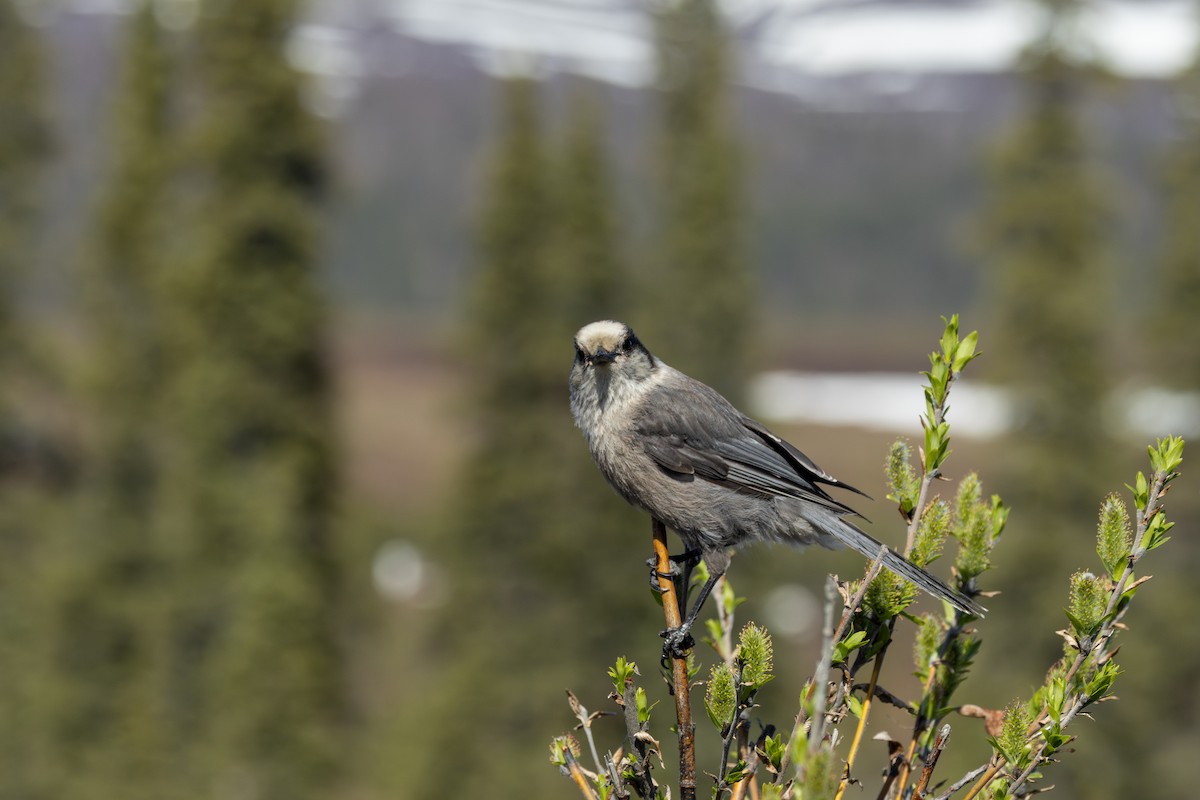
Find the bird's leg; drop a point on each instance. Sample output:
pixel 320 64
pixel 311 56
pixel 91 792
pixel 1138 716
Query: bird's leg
pixel 677 641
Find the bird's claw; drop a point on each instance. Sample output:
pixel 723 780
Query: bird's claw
pixel 672 573
pixel 676 643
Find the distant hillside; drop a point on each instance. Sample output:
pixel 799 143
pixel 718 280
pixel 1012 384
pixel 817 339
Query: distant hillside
pixel 861 195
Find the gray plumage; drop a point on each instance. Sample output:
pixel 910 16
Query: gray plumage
pixel 676 448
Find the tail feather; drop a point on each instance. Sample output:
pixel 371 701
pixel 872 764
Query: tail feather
pixel 858 540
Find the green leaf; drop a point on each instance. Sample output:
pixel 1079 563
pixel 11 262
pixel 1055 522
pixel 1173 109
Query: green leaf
pixel 855 705
pixel 1141 492
pixel 774 747
pixel 736 774
pixel 843 649
pixel 1100 683
pixel 621 674
pixel 643 710
pixel 965 353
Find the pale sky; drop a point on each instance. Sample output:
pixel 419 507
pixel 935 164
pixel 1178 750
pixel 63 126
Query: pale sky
pixel 610 37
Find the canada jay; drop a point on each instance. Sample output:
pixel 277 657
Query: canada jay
pixel 675 447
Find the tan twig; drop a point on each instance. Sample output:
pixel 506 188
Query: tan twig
pixel 982 783
pixel 862 726
pixel 576 773
pixel 679 667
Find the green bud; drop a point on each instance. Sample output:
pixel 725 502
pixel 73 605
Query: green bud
pixel 1088 601
pixel 931 533
pixel 902 478
pixel 755 650
pixel 975 527
pixel 622 673
pixel 887 595
pixel 720 696
pixel 929 636
pixel 643 706
pixel 1166 455
pixel 820 775
pixel 1013 741
pixel 1114 535
pixel 771 791
pixel 560 746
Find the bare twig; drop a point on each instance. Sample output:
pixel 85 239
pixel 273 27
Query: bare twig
pixel 585 722
pixel 931 762
pixel 821 674
pixel 885 696
pixel 679 668
pixel 963 781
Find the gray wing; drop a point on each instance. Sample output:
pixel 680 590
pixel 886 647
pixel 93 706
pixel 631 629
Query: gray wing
pixel 699 433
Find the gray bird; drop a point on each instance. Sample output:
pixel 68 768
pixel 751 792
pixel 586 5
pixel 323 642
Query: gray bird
pixel 675 447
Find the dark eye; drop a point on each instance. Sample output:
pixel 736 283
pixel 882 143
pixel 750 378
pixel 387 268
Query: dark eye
pixel 578 353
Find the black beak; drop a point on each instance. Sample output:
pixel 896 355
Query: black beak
pixel 603 356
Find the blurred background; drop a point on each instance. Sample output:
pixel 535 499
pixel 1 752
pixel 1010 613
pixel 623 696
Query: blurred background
pixel 291 503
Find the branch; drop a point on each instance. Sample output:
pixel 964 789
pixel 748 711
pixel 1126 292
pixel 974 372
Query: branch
pixel 679 668
pixel 931 762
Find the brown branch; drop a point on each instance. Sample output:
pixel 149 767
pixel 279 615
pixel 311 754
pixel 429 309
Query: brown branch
pixel 931 762
pixel 679 667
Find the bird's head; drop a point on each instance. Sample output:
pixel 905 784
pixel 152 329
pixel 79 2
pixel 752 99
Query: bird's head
pixel 613 349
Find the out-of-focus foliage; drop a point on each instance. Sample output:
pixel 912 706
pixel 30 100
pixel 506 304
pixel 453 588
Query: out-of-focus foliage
pixel 249 473
pixel 532 517
pixel 28 506
pixel 1048 253
pixel 110 631
pixel 1170 316
pixel 698 265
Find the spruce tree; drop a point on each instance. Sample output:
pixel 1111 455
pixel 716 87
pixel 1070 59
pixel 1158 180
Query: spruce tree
pixel 535 536
pixel 699 316
pixel 1050 280
pixel 1050 277
pixel 110 635
pixel 249 480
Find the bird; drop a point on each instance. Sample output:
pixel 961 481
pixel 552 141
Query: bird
pixel 676 448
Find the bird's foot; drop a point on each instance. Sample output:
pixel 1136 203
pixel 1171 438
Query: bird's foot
pixel 679 566
pixel 676 643
pixel 672 574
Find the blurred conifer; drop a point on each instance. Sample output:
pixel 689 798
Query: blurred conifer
pixel 248 484
pixel 110 632
pixel 536 543
pixel 1046 234
pixel 24 148
pixel 1173 312
pixel 1050 276
pixel 702 292
pixel 26 511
